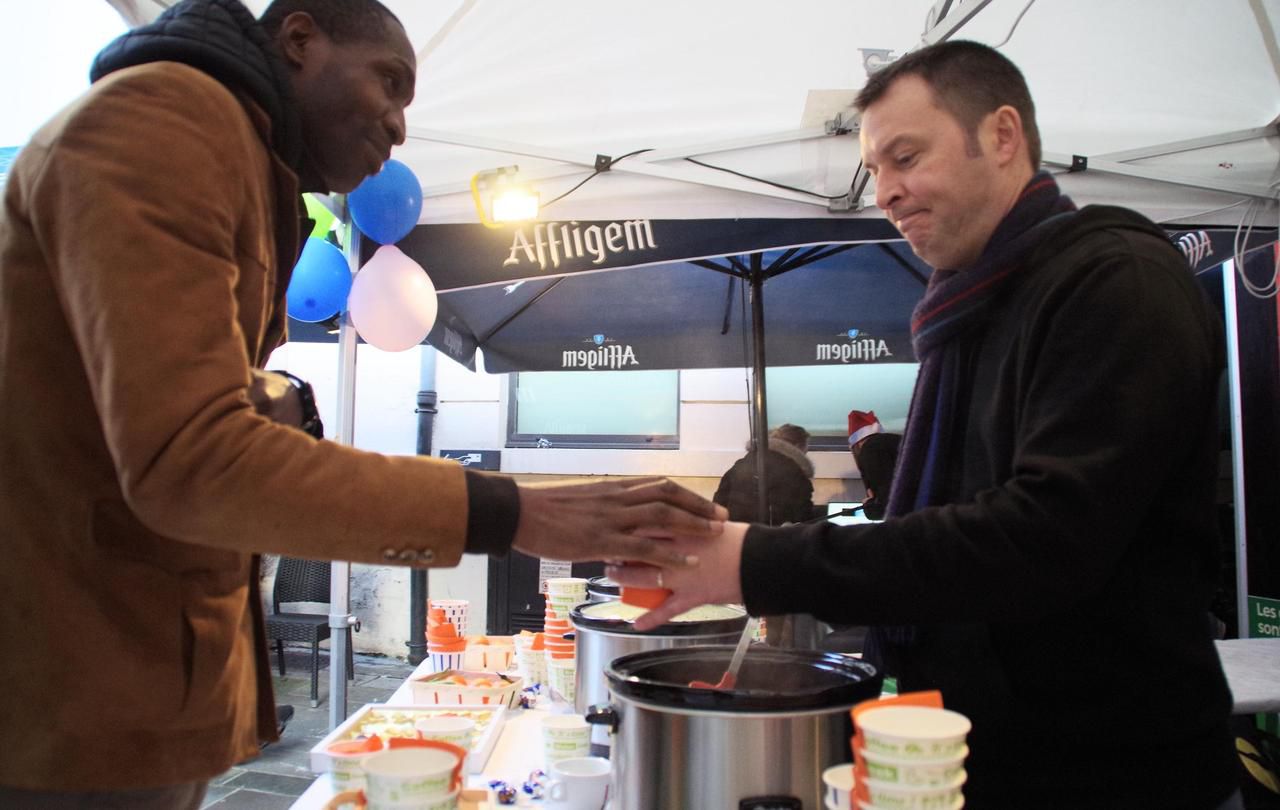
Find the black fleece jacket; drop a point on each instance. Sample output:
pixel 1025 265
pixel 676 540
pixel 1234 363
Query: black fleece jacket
pixel 1061 596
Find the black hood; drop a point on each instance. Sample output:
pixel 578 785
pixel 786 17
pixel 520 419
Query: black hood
pixel 223 39
pixel 1092 217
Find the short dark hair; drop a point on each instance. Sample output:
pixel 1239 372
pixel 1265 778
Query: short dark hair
pixel 969 80
pixel 340 20
pixel 791 434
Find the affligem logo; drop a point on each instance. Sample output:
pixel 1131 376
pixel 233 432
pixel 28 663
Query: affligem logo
pixel 856 347
pixel 603 353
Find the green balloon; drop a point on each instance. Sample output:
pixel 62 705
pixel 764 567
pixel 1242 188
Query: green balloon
pixel 324 219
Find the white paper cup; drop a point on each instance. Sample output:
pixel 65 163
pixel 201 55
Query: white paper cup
pixel 455 612
pixel 913 732
pixel 444 661
pixel 346 771
pixel 578 783
pixel 957 805
pixel 410 777
pixel 837 784
pixel 888 796
pixel 565 736
pixel 531 665
pixel 560 674
pixel 566 586
pixel 914 772
pixel 461 731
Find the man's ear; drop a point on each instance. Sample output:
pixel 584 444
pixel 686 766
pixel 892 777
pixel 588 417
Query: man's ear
pixel 297 36
pixel 1004 133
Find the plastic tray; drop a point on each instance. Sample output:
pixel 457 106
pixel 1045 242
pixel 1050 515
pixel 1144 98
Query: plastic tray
pixel 397 721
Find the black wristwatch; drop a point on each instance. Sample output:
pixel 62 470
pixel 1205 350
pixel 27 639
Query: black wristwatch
pixel 311 424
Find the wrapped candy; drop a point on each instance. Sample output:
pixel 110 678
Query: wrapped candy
pixel 536 786
pixel 506 794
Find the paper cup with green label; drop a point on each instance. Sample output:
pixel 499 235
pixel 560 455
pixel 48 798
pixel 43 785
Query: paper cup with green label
pixel 889 796
pixel 565 736
pixel 913 732
pixel 913 772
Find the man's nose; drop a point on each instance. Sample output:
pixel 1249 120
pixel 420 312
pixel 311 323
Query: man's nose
pixel 396 127
pixel 888 191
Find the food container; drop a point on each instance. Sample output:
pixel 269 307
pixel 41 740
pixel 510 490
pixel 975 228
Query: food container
pixel 764 743
pixel 456 687
pixel 606 630
pixel 489 653
pixel 392 722
pixel 602 589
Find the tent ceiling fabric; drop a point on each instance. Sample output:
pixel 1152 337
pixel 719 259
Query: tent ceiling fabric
pixel 585 78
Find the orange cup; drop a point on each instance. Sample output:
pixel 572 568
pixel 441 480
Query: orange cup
pixel 644 597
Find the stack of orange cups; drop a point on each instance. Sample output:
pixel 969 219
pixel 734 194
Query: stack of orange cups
pixel 556 630
pixel 561 654
pixel 908 751
pixel 444 644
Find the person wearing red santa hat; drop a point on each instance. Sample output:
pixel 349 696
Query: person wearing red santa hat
pixel 875 452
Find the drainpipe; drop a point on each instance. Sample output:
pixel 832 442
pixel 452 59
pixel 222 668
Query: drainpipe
pixel 426 411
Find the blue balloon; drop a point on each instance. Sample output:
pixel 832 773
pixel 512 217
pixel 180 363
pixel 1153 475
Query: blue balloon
pixel 385 207
pixel 320 284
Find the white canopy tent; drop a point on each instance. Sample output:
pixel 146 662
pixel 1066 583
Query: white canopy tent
pixel 1169 108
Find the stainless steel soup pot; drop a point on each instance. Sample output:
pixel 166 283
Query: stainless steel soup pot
pixel 600 640
pixel 762 745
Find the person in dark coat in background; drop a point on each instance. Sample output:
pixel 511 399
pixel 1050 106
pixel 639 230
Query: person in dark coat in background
pixel 789 474
pixel 875 453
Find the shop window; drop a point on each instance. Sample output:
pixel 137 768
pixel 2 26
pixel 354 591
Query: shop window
pixel 596 409
pixel 819 398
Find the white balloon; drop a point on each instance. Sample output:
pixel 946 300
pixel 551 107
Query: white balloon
pixel 393 302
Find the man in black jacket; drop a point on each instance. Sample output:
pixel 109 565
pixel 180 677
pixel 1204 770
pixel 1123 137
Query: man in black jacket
pixel 1049 553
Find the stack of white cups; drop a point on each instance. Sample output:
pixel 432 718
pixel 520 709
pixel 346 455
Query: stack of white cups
pixel 909 757
pixel 565 593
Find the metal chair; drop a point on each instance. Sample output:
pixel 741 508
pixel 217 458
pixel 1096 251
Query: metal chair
pixel 303 581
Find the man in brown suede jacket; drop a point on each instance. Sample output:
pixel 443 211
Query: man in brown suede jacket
pixel 146 241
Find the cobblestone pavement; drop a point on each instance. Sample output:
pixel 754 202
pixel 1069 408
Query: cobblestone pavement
pixel 282 772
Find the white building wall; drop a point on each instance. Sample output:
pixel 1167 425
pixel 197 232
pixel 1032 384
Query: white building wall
pixel 472 413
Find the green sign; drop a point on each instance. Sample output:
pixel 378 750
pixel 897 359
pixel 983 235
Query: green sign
pixel 1264 617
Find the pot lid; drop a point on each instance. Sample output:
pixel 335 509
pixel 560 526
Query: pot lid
pixel 604 586
pixel 618 617
pixel 771 679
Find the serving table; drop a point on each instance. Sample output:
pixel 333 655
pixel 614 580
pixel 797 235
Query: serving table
pixel 517 753
pixel 1251 666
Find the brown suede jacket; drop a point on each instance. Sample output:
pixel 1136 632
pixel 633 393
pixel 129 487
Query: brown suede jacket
pixel 146 241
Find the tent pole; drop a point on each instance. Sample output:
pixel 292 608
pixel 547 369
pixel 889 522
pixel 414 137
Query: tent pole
pixel 760 418
pixel 340 618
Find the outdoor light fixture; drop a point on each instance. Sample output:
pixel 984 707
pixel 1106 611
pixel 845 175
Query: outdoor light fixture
pixel 511 200
pixel 515 204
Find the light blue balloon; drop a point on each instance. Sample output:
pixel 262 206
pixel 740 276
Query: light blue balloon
pixel 385 207
pixel 320 284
